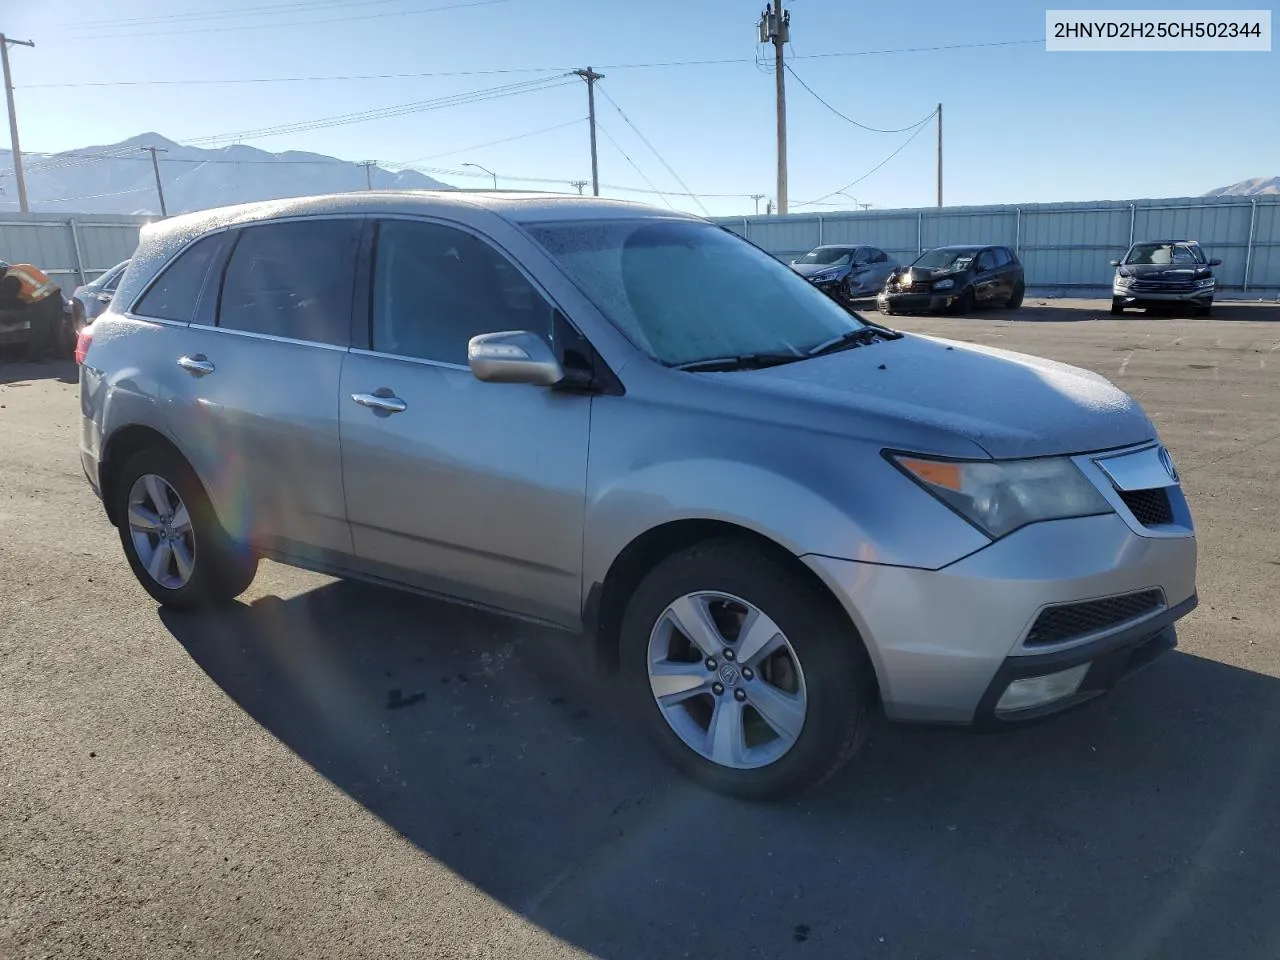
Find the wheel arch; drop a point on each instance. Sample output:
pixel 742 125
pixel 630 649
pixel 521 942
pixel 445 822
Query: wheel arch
pixel 607 600
pixel 120 446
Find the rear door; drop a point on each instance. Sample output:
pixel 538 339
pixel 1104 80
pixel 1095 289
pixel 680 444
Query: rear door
pixel 474 490
pixel 257 411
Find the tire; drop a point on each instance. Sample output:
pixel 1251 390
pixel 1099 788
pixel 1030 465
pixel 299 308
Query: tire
pixel 1205 311
pixel 1117 307
pixel 823 665
pixel 847 289
pixel 1015 301
pixel 217 570
pixel 965 304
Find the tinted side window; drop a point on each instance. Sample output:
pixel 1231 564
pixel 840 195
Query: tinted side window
pixel 436 287
pixel 1003 259
pixel 112 280
pixel 174 295
pixel 986 260
pixel 293 280
pixel 861 255
pixel 878 256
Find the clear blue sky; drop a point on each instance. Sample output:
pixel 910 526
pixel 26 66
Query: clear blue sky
pixel 1021 124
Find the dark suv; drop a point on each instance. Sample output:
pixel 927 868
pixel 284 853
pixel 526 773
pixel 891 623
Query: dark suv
pixel 1162 273
pixel 955 278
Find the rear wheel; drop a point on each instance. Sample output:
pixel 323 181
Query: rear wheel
pixel 1015 301
pixel 171 536
pixel 749 679
pixel 1117 307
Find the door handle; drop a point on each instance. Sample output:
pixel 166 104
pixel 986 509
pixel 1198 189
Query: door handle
pixel 197 366
pixel 388 404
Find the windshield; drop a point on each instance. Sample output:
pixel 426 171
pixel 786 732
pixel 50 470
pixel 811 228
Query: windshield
pixel 686 291
pixel 1161 253
pixel 828 256
pixel 943 257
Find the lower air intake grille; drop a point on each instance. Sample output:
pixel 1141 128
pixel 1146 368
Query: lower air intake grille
pixel 1150 507
pixel 1071 620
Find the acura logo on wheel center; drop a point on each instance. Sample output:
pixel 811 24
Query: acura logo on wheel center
pixel 728 674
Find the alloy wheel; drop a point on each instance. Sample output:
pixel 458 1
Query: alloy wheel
pixel 161 530
pixel 727 680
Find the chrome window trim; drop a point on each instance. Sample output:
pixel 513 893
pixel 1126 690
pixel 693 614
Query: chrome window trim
pixel 422 361
pixel 253 335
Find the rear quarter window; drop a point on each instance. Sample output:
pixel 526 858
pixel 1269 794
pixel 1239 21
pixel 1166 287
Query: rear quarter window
pixel 176 292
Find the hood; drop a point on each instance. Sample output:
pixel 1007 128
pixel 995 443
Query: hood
pixel 809 269
pixel 1166 271
pixel 1008 404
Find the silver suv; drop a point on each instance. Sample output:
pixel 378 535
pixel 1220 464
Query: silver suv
pixel 769 516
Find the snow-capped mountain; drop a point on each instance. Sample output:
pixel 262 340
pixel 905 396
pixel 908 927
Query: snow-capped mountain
pixel 1257 187
pixel 118 178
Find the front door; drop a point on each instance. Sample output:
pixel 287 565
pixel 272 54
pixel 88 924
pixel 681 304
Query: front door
pixel 986 280
pixel 470 489
pixel 256 406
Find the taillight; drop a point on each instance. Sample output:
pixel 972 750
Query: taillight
pixel 83 339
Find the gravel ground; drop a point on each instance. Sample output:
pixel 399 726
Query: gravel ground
pixel 333 770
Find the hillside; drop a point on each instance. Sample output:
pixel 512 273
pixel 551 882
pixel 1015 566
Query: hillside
pixel 194 178
pixel 1257 187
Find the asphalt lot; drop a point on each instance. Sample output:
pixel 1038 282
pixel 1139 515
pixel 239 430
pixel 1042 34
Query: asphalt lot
pixel 329 769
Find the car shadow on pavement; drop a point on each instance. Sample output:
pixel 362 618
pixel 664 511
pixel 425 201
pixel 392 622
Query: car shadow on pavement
pixel 1143 825
pixel 15 368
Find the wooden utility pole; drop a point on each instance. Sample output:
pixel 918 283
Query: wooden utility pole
pixel 757 197
pixel 775 28
pixel 155 166
pixel 591 77
pixel 939 154
pixel 579 184
pixel 13 118
pixel 368 173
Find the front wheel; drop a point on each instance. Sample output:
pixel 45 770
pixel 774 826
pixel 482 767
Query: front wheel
pixel 1204 310
pixel 748 677
pixel 963 303
pixel 1117 307
pixel 171 535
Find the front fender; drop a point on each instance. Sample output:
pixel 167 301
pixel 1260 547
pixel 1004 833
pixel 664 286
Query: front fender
pixel 809 492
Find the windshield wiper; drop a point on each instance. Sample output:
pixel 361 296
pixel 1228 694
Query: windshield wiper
pixel 745 361
pixel 858 337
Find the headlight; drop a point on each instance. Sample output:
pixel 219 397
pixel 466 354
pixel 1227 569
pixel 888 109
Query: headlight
pixel 944 285
pixel 1123 280
pixel 1205 282
pixel 999 497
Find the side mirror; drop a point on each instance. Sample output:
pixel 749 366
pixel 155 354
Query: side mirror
pixel 1115 263
pixel 1215 263
pixel 514 356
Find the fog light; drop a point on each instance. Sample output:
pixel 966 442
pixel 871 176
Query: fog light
pixel 1035 691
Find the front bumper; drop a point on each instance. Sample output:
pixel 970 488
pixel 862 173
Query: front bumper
pixel 942 640
pixel 916 302
pixel 14 331
pixel 1132 298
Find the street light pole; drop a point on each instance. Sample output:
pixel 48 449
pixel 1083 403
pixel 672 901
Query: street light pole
pixel 13 118
pixel 486 170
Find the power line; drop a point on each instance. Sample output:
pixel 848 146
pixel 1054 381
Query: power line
pixel 272 9
pixel 635 166
pixel 861 126
pixel 654 150
pixel 614 66
pixel 475 96
pixel 852 183
pixel 290 24
pixel 494 143
pixel 382 113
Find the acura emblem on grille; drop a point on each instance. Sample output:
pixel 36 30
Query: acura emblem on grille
pixel 1166 461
